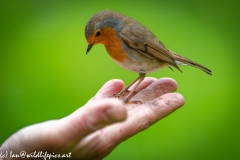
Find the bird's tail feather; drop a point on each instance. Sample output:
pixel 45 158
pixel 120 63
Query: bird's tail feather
pixel 184 60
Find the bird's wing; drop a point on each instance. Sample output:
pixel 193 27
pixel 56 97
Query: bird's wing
pixel 147 44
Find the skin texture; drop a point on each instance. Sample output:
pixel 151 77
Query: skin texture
pixel 94 130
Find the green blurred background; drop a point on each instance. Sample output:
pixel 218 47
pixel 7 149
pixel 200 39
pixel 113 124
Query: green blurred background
pixel 45 73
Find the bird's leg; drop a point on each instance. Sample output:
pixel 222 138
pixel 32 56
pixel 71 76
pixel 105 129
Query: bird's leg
pixel 131 94
pixel 126 88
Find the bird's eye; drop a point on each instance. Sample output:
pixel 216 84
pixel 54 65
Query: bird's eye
pixel 98 34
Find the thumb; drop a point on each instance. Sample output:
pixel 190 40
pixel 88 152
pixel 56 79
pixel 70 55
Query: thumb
pixel 93 116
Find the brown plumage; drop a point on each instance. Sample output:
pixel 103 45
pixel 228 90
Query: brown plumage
pixel 132 46
pixel 189 62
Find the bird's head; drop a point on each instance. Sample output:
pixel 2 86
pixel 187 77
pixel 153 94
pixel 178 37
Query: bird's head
pixel 102 28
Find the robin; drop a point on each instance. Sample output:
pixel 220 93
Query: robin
pixel 132 46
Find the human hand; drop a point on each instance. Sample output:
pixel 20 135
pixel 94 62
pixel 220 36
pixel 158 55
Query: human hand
pixel 94 130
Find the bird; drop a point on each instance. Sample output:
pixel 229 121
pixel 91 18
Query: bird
pixel 132 46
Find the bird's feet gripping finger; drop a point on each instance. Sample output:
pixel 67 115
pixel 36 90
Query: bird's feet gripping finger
pixel 125 96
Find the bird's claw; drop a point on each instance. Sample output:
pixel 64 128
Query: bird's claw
pixel 125 97
pixel 121 94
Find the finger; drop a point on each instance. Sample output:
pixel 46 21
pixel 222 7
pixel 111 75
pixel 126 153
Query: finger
pixel 143 116
pixel 165 105
pixel 156 89
pixel 145 83
pixel 109 88
pixel 115 86
pixel 92 117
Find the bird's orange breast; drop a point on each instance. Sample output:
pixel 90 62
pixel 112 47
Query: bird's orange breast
pixel 113 44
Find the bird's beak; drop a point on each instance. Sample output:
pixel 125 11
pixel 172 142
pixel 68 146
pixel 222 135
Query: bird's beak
pixel 89 47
